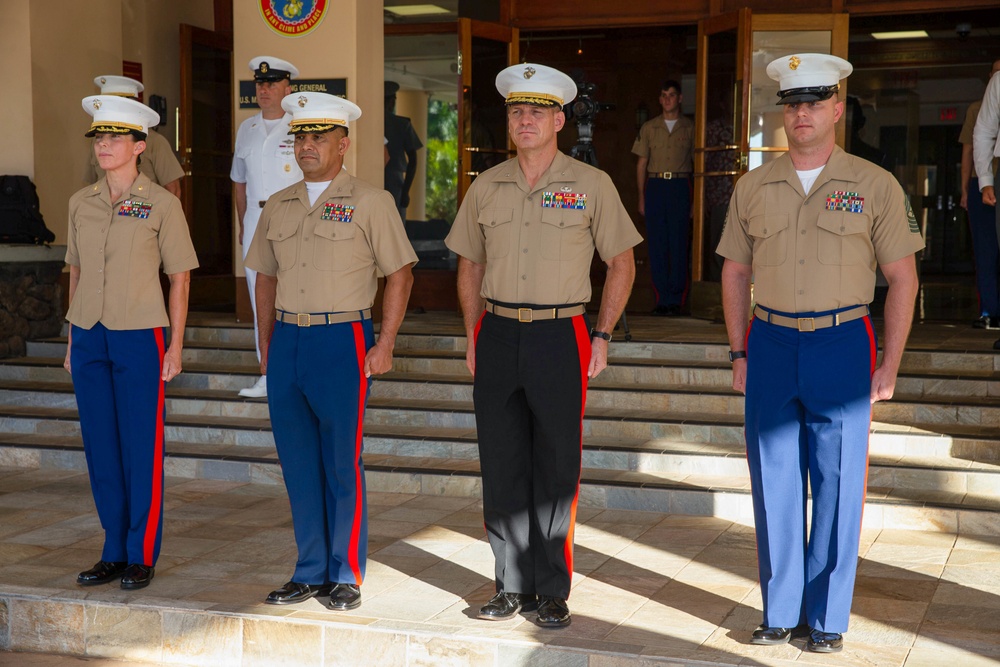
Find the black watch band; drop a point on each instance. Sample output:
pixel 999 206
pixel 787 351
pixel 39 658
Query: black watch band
pixel 594 333
pixel 733 356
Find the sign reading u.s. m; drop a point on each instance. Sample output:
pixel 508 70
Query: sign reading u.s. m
pixel 292 18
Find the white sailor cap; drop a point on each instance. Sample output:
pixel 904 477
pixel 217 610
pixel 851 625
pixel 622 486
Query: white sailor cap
pixel 808 77
pixel 118 115
pixel 118 85
pixel 269 68
pixel 529 83
pixel 318 112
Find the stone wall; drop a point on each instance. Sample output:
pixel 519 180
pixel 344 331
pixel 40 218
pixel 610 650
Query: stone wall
pixel 30 296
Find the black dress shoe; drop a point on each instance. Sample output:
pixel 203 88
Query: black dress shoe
pixel 137 576
pixel 552 612
pixel 102 572
pixel 771 636
pixel 293 592
pixel 825 642
pixel 344 597
pixel 505 606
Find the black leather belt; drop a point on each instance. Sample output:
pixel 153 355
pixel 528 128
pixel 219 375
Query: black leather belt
pixel 322 319
pixel 669 174
pixel 536 314
pixel 811 323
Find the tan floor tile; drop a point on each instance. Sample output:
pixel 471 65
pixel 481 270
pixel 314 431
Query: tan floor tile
pixel 917 538
pixel 986 597
pixel 954 657
pixel 907 554
pixel 857 655
pixel 732 575
pixel 871 568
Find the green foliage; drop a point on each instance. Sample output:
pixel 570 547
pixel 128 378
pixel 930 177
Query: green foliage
pixel 442 161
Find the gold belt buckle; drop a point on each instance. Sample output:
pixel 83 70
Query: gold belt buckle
pixel 524 314
pixel 806 323
pixel 303 319
pixel 667 175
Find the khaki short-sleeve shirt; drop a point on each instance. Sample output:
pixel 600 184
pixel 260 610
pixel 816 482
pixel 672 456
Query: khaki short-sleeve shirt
pixel 158 162
pixel 666 150
pixel 119 249
pixel 325 256
pixel 818 252
pixel 965 136
pixel 538 243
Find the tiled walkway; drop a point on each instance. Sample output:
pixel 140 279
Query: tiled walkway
pixel 646 584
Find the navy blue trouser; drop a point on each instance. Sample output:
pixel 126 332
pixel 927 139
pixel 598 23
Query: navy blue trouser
pixel 316 394
pixel 808 415
pixel 985 252
pixel 668 229
pixel 530 392
pixel 119 395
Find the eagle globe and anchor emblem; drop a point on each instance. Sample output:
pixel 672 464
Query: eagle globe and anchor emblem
pixel 293 18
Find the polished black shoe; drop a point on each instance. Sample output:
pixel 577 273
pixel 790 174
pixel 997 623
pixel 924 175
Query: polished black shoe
pixel 825 642
pixel 982 323
pixel 344 597
pixel 552 612
pixel 771 636
pixel 505 606
pixel 293 592
pixel 137 576
pixel 102 572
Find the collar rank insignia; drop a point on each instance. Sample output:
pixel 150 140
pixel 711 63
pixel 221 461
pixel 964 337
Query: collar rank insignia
pixel 135 209
pixel 337 212
pixel 841 200
pixel 564 200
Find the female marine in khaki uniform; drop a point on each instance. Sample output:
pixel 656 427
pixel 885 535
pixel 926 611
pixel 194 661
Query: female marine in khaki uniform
pixel 120 230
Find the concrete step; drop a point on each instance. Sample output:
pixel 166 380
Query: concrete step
pixel 707 495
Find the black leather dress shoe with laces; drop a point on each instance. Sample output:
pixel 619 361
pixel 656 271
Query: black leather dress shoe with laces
pixel 137 576
pixel 505 606
pixel 552 612
pixel 825 642
pixel 771 636
pixel 344 597
pixel 102 572
pixel 293 592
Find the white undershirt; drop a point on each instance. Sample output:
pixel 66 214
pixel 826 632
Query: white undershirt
pixel 269 124
pixel 808 177
pixel 670 124
pixel 315 190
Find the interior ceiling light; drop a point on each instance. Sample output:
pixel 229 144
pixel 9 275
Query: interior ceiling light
pixel 416 10
pixel 900 34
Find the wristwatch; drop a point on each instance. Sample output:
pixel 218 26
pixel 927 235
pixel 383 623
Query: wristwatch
pixel 733 356
pixel 594 333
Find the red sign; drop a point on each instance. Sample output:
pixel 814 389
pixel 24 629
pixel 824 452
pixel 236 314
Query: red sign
pixel 292 18
pixel 949 113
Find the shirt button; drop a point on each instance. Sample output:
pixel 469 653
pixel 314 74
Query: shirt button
pixel 524 277
pixel 302 291
pixel 525 251
pixel 303 263
pixel 803 232
pixel 526 224
pixel 802 261
pixel 765 230
pixel 530 199
pixel 801 291
pixel 563 224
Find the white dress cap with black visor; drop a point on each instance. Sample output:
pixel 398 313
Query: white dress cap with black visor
pixel 808 77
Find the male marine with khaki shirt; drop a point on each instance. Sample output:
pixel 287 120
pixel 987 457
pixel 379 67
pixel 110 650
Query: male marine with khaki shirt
pixel 525 236
pixel 809 228
pixel 316 250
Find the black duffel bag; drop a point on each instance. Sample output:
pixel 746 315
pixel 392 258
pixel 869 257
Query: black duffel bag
pixel 20 218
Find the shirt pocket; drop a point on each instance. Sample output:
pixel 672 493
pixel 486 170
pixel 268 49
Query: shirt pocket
pixel 770 239
pixel 565 233
pixel 844 238
pixel 334 248
pixel 495 225
pixel 283 243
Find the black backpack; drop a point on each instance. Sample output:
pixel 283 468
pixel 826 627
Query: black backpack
pixel 20 219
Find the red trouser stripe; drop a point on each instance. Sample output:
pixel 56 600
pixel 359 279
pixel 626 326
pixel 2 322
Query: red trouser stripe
pixel 583 347
pixel 352 551
pixel 156 497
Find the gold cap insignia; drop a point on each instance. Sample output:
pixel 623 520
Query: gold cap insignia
pixel 302 100
pixel 104 80
pixel 793 62
pixel 97 104
pixel 263 67
pixel 529 72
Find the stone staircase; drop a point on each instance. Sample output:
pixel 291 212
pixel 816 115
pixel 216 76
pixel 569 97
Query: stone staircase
pixel 663 429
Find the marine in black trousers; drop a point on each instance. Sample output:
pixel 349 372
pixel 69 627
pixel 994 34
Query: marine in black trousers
pixel 530 393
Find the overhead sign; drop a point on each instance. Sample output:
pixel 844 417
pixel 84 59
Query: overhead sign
pixel 248 89
pixel 292 18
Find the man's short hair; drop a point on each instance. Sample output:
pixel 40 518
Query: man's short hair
pixel 671 83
